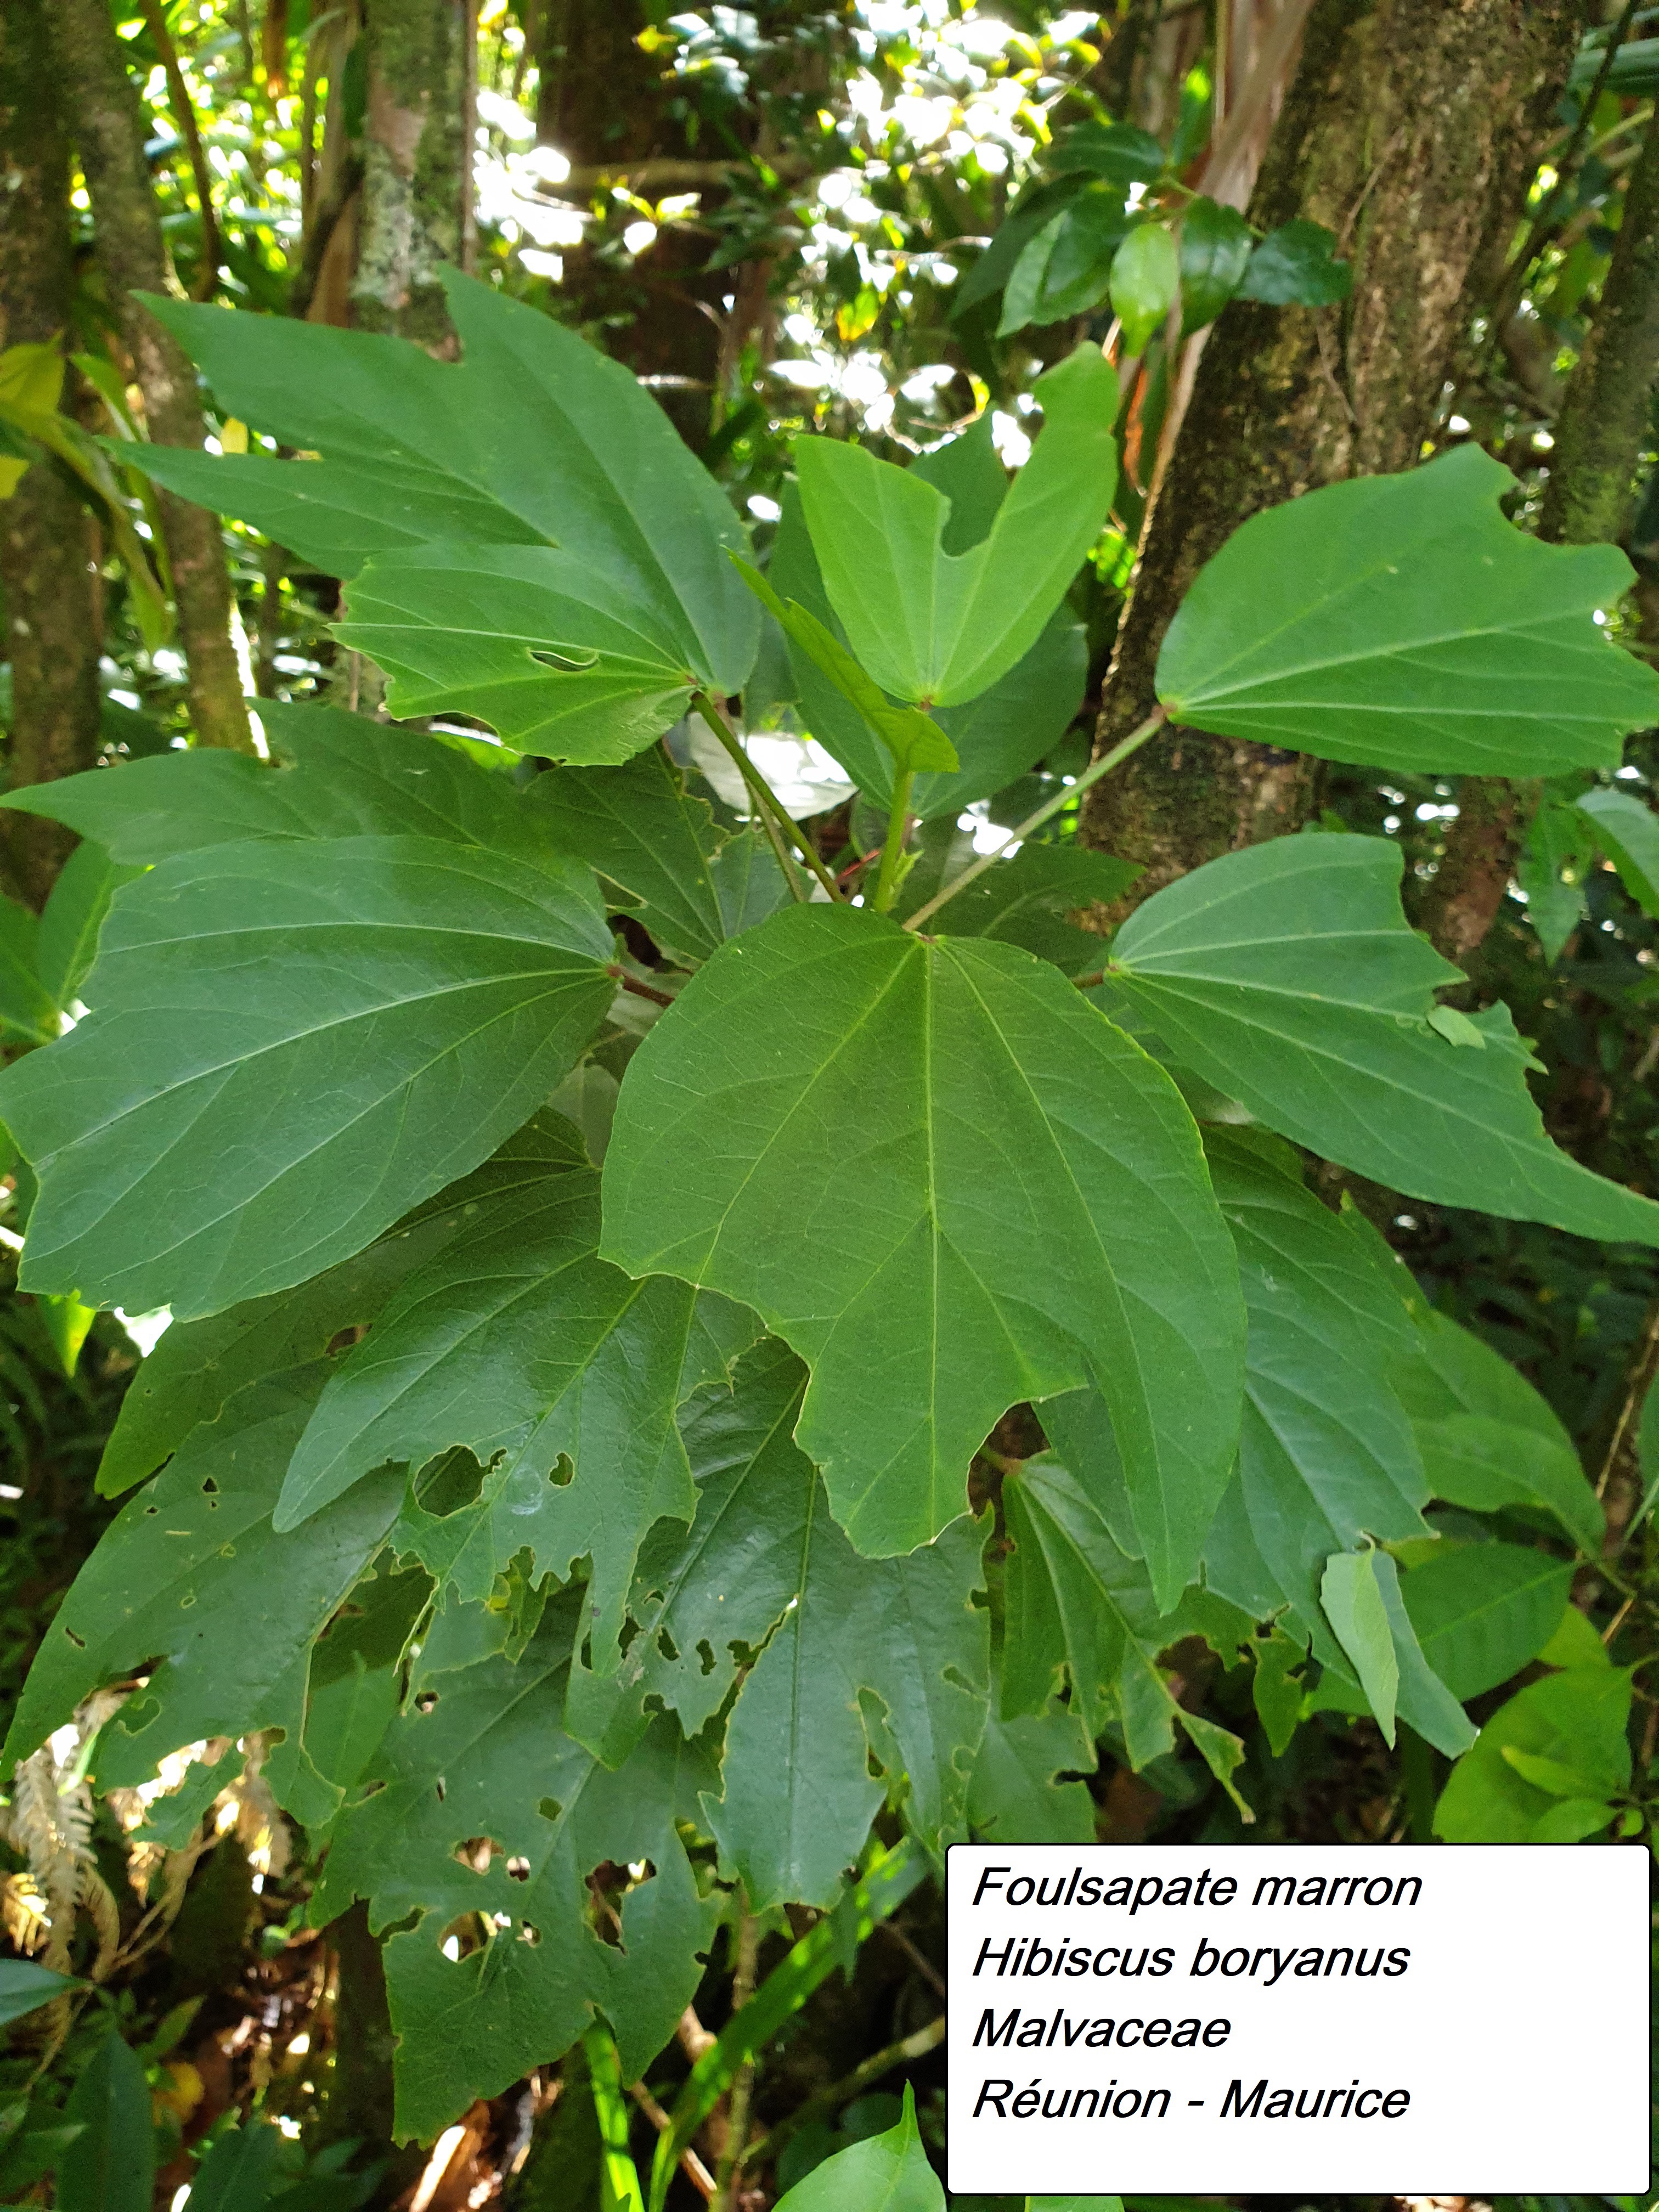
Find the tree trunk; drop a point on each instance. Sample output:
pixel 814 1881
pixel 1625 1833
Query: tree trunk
pixel 47 538
pixel 416 210
pixel 107 120
pixel 601 104
pixel 1410 129
pixel 1601 431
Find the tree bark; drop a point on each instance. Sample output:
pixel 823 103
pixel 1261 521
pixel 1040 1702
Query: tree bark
pixel 47 538
pixel 1410 129
pixel 416 211
pixel 601 104
pixel 1601 430
pixel 107 121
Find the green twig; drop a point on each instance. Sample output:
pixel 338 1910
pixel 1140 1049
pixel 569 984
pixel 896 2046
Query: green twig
pixel 1091 775
pixel 743 2086
pixel 892 853
pixel 774 820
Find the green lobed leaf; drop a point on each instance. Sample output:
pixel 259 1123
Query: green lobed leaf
pixel 1400 622
pixel 884 2174
pixel 862 1658
pixel 489 1734
pixel 1488 1439
pixel 336 774
pixel 196 1365
pixel 1073 1599
pixel 996 736
pixel 1286 976
pixel 1352 1600
pixel 1019 1206
pixel 533 438
pixel 1628 833
pixel 1481 1611
pixel 1327 1456
pixel 941 627
pixel 1145 282
pixel 551 653
pixel 517 1343
pixel 191 1574
pixel 1577 1720
pixel 688 884
pixel 335 1030
pixel 1215 253
pixel 1016 1795
pixel 1295 266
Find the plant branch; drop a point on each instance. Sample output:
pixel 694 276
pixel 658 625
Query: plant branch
pixel 691 2164
pixel 1091 775
pixel 736 2109
pixel 184 114
pixel 776 823
pixel 640 990
pixel 1538 235
pixel 908 2047
pixel 892 852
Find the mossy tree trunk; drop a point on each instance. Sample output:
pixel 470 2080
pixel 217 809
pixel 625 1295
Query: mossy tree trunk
pixel 417 207
pixel 48 540
pixel 106 119
pixel 1410 129
pixel 1601 431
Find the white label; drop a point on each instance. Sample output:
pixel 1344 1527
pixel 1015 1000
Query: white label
pixel 1394 2021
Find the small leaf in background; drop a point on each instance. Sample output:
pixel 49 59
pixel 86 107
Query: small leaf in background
pixel 237 2173
pixel 1575 1721
pixel 24 1987
pixel 1555 858
pixel 1215 251
pixel 887 2173
pixel 1353 1606
pixel 1066 268
pixel 1481 1611
pixel 1628 833
pixel 28 1013
pixel 1145 282
pixel 1117 151
pixel 1276 1690
pixel 67 1323
pixel 1294 267
pixel 1401 621
pixel 111 2165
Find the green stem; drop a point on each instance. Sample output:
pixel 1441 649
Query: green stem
pixel 898 824
pixel 1091 775
pixel 776 823
pixel 904 2052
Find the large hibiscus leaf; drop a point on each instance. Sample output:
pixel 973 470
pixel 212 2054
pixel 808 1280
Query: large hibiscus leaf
pixel 949 1185
pixel 1286 976
pixel 1402 622
pixel 292 1044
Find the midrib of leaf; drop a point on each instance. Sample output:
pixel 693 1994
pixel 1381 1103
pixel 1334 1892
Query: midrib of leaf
pixel 1125 1334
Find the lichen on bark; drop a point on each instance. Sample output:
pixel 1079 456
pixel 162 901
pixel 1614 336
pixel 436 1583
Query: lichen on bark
pixel 417 202
pixel 48 540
